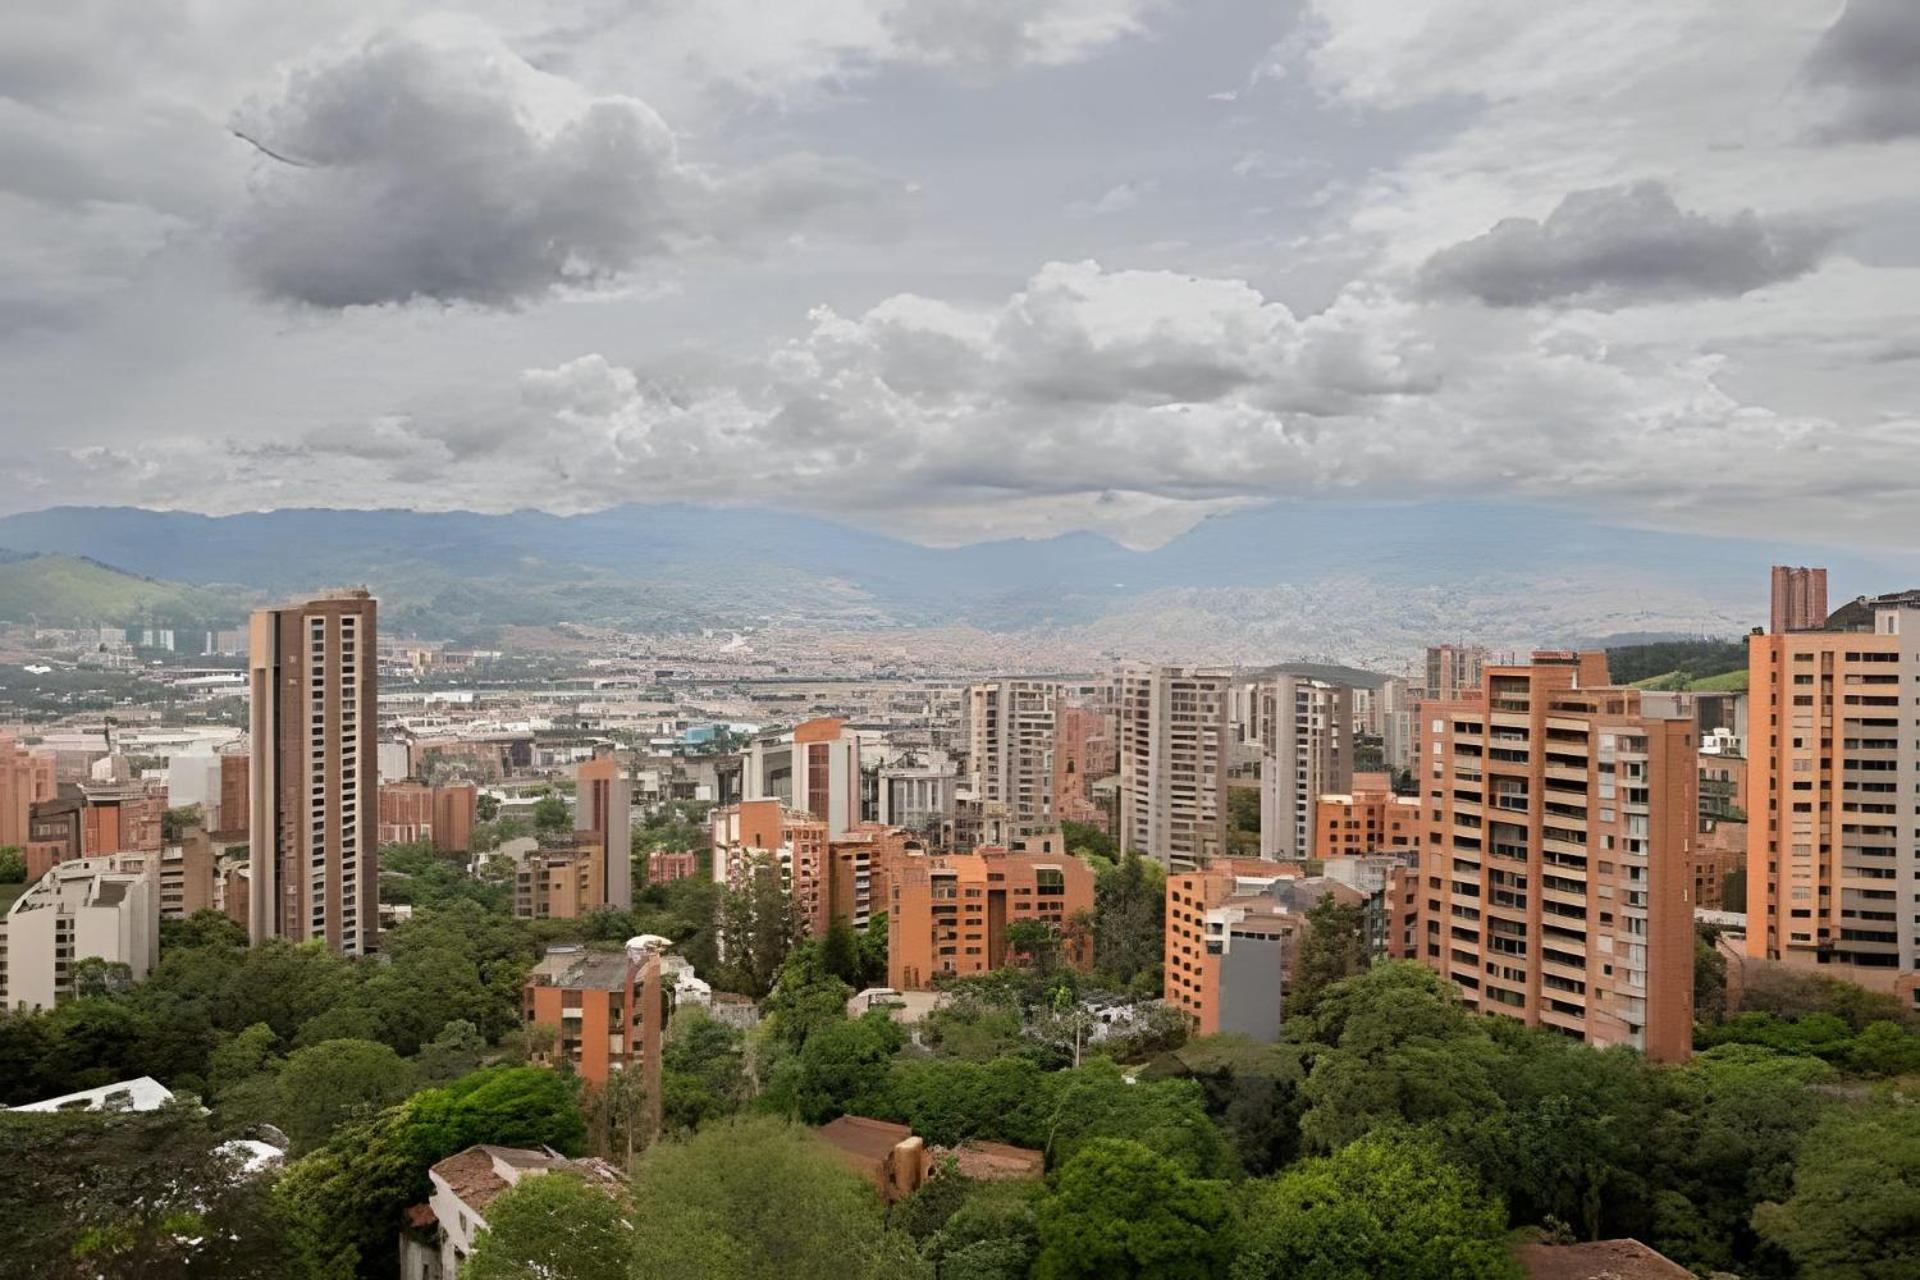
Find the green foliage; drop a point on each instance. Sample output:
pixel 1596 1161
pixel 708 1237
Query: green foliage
pixel 509 1106
pixel 86 1194
pixel 13 865
pixel 321 1087
pixel 1854 1211
pixel 806 998
pixel 1118 1209
pixel 839 1065
pixel 1725 1140
pixel 1691 659
pixel 340 1206
pixel 1383 1206
pixel 760 1200
pixel 757 930
pixel 1880 1048
pixel 1251 1090
pixel 1129 917
pixel 556 1225
pixel 1083 838
pixel 993 1235
pixel 204 928
pixel 1333 947
pixel 551 815
pixel 703 1072
pixel 1709 981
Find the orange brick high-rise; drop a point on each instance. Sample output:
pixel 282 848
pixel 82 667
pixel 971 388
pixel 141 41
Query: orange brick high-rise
pixel 949 914
pixel 1555 885
pixel 1833 878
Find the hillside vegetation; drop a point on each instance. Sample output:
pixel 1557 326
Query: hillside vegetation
pixel 73 591
pixel 1679 664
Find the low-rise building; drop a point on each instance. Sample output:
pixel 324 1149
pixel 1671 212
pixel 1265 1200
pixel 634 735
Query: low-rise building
pixel 466 1185
pixel 1368 819
pixel 664 867
pixel 1232 931
pixel 105 908
pixel 949 913
pixel 559 884
pixel 587 1000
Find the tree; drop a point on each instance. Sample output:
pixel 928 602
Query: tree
pixel 145 1193
pixel 1129 920
pixel 13 865
pixel 452 1053
pixel 1084 838
pixel 486 806
pixel 1854 1213
pixel 1709 982
pixel 1387 1205
pixel 1035 942
pixel 551 815
pixel 174 823
pixel 840 1064
pixel 331 1082
pixel 1731 1122
pixel 873 951
pixel 993 1234
pixel 508 1106
pixel 760 1200
pixel 555 1225
pixel 1333 947
pixel 703 1072
pixel 1117 1210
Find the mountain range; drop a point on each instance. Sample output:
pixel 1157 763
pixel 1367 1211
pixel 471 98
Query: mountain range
pixel 1344 581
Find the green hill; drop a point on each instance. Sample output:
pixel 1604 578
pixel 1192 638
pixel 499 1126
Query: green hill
pixel 73 591
pixel 1660 665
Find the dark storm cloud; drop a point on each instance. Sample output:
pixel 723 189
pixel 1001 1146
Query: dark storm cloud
pixel 409 170
pixel 1614 246
pixel 1870 57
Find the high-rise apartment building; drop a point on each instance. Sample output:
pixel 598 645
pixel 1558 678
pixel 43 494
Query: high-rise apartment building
pixel 766 834
pixel 814 767
pixel 602 813
pixel 1399 717
pixel 1010 740
pixel 1453 670
pixel 1367 819
pixel 1555 876
pixel 1306 750
pixel 26 779
pixel 1174 743
pixel 412 812
pixel 948 914
pixel 315 777
pixel 1799 599
pixel 1833 781
pixel 105 908
pixel 1083 754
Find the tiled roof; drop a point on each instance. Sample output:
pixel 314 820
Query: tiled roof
pixel 1598 1260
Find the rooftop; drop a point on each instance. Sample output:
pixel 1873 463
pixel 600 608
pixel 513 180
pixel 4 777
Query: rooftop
pixel 583 970
pixel 479 1174
pixel 1598 1260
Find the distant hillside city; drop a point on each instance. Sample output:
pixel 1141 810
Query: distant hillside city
pixel 692 885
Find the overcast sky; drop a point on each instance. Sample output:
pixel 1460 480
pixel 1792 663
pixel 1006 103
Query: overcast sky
pixel 968 268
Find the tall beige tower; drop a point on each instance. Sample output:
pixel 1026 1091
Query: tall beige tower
pixel 1306 750
pixel 1173 727
pixel 315 773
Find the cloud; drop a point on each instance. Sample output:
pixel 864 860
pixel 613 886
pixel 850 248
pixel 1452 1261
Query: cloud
pixel 436 164
pixel 993 36
pixel 1616 246
pixel 1116 199
pixel 1870 59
